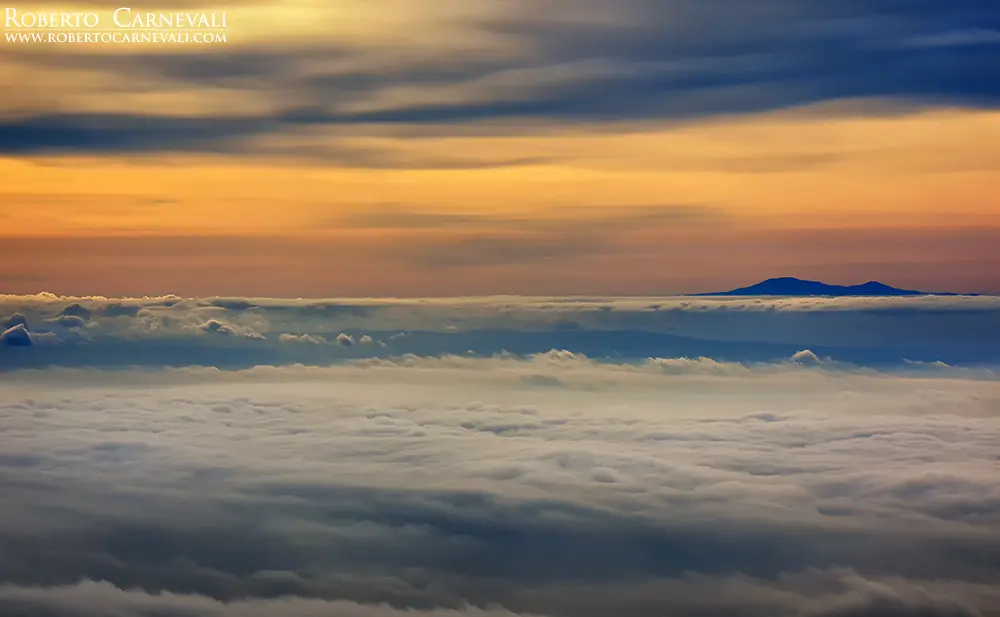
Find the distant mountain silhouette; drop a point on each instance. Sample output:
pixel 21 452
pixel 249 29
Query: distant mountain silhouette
pixel 789 286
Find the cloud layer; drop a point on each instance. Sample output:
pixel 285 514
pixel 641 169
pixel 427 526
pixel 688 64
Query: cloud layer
pixel 554 60
pixel 48 330
pixel 553 485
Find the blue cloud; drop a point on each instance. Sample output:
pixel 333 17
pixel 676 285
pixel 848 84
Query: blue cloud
pixel 641 59
pixel 245 332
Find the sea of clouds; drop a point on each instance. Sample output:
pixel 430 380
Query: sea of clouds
pixel 419 462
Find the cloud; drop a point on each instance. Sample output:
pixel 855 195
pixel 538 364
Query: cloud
pixel 15 319
pixel 213 326
pixel 577 219
pixel 308 339
pixel 492 240
pixel 93 599
pixel 572 63
pixel 912 334
pixel 342 339
pixel 847 593
pixel 16 336
pixel 958 38
pixel 232 304
pixel 493 250
pixel 453 486
pixel 69 321
pixel 76 310
pixel 806 357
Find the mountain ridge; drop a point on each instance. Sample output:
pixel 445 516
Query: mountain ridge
pixel 791 286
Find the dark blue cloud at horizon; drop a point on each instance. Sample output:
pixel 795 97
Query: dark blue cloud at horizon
pixel 233 333
pixel 641 60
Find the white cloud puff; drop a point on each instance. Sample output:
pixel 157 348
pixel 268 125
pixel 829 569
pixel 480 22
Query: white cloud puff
pixel 307 339
pixel 214 326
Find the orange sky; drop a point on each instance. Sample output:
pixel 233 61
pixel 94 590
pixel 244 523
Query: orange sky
pixel 846 191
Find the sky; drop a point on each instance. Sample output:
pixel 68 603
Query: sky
pixel 410 148
pixel 373 310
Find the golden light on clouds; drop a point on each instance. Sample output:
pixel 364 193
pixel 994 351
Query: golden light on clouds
pixel 778 170
pixel 408 123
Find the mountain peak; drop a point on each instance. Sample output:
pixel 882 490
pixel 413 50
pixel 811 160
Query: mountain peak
pixel 791 286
